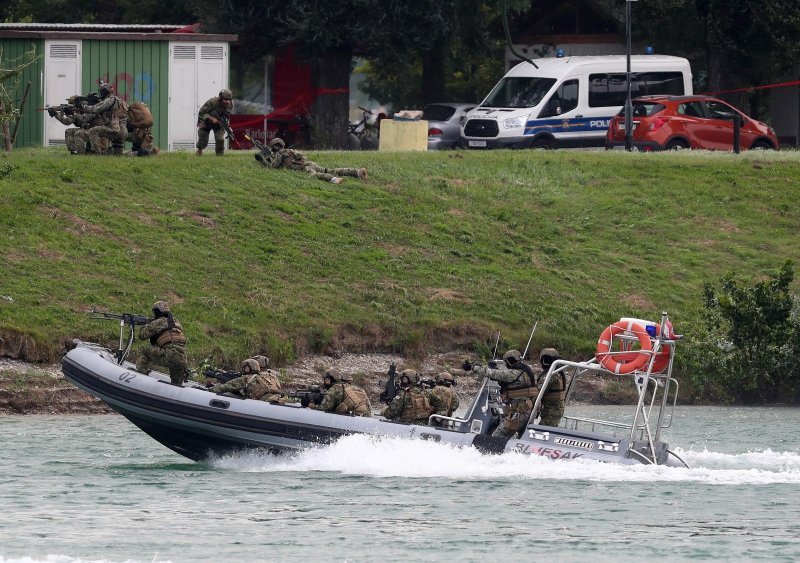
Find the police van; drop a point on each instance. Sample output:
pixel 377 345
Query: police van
pixel 568 101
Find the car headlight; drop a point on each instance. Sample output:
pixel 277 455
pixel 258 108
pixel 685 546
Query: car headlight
pixel 512 123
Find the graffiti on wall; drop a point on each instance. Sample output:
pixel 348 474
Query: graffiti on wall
pixel 130 88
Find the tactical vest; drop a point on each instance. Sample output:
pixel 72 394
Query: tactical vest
pixel 557 391
pixel 172 335
pixel 355 401
pixel 119 109
pixel 419 409
pixel 257 385
pixel 523 387
pixel 446 394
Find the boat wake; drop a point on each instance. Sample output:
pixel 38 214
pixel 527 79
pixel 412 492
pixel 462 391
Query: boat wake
pixel 396 457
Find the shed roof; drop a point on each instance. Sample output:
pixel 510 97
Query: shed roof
pixel 159 32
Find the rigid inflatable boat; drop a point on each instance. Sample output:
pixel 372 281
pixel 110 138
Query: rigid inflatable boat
pixel 198 424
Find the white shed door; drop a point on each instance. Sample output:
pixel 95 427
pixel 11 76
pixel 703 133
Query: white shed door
pixel 62 79
pixel 198 71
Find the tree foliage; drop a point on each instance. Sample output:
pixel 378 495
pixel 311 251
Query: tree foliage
pixel 750 350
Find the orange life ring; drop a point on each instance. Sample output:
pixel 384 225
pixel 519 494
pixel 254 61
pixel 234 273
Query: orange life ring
pixel 623 362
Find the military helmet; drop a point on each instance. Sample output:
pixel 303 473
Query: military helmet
pixel 160 307
pixel 263 361
pixel 105 89
pixel 548 356
pixel 445 378
pixel 72 100
pixel 226 94
pixel 333 374
pixel 277 144
pixel 512 357
pixel 251 366
pixel 409 375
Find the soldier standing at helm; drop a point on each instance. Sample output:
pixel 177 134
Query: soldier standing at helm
pixel 210 117
pixel 253 383
pixel 555 394
pixel 343 397
pixel 517 389
pixel 444 390
pixel 114 114
pixel 281 157
pixel 167 344
pixel 412 404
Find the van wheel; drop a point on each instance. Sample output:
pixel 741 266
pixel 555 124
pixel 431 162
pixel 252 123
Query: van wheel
pixel 762 145
pixel 546 143
pixel 676 145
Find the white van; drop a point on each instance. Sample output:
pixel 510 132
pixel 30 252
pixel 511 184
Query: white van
pixel 568 101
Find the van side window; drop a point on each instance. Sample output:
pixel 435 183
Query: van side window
pixel 609 90
pixel 563 100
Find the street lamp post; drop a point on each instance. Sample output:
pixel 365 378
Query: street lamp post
pixel 628 105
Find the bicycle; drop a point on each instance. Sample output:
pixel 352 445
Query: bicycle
pixel 363 134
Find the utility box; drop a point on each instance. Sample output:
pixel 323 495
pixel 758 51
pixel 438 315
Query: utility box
pixel 403 135
pixel 171 68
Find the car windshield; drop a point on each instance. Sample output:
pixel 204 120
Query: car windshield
pixel 644 109
pixel 518 92
pixel 437 112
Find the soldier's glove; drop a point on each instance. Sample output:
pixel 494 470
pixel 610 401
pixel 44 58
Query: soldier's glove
pixel 51 112
pixel 492 364
pixel 305 401
pixel 466 366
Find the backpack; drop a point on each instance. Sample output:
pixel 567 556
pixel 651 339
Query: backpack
pixel 139 115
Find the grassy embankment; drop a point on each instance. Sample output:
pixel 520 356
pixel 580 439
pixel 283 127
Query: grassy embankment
pixel 435 251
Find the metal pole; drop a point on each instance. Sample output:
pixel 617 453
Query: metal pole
pixel 628 107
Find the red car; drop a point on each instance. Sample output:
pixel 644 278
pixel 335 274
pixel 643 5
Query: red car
pixel 688 122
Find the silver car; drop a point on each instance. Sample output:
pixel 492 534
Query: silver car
pixel 444 124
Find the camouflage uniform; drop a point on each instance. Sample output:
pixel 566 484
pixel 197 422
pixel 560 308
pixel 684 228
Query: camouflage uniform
pixel 142 141
pixel 413 405
pixel 343 398
pixel 262 386
pixel 518 390
pixel 167 348
pixel 296 160
pixel 555 394
pixel 114 112
pixel 448 398
pixel 213 108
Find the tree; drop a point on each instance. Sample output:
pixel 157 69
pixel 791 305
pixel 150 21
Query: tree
pixel 732 43
pixel 749 350
pixel 327 33
pixel 9 73
pixel 461 59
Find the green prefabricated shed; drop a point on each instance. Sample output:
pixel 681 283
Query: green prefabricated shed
pixel 172 71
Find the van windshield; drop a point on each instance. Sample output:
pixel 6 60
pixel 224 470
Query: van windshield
pixel 518 92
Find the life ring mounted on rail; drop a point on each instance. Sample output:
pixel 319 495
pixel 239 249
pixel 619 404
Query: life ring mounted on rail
pixel 623 362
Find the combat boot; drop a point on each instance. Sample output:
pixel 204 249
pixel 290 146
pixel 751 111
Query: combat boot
pixel 362 174
pixel 198 152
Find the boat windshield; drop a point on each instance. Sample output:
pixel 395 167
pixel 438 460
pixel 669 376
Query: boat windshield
pixel 518 92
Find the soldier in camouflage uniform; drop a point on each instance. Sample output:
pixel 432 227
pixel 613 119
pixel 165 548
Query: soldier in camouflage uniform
pixel 253 384
pixel 412 404
pixel 342 396
pixel 208 119
pixel 281 157
pixel 444 390
pixel 167 344
pixel 555 394
pixel 114 113
pixel 517 388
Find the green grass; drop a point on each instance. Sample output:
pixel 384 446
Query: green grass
pixel 436 250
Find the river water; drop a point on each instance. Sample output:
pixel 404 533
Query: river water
pixel 94 488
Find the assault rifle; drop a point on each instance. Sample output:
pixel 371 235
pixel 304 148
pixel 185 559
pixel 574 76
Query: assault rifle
pixel 221 375
pixel 308 394
pixel 223 121
pixel 71 108
pixel 265 154
pixel 125 319
pixel 426 383
pixel 390 390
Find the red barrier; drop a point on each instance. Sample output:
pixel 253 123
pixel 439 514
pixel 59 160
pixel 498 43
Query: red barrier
pixel 753 88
